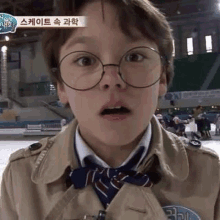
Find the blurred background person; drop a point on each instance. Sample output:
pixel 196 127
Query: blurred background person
pixel 217 124
pixel 9 115
pixel 161 120
pixel 167 118
pixel 206 126
pixel 180 126
pixel 63 123
pixel 199 122
pixel 197 115
pixel 170 124
pixel 197 111
pixel 193 128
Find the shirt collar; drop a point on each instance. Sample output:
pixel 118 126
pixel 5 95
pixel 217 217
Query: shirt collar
pixel 84 150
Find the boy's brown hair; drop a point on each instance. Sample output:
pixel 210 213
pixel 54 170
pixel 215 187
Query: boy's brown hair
pixel 140 14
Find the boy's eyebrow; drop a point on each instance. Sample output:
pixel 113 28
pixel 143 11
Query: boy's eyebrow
pixel 81 40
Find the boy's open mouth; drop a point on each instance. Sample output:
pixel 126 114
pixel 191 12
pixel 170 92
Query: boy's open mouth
pixel 115 111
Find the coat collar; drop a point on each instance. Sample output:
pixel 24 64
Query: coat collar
pixel 58 154
pixel 171 152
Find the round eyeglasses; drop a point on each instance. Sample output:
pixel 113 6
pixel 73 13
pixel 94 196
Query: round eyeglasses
pixel 138 67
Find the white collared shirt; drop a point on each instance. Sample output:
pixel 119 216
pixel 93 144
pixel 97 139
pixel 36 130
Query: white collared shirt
pixel 83 150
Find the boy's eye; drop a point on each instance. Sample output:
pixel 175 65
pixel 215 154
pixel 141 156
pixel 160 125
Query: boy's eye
pixel 85 61
pixel 134 57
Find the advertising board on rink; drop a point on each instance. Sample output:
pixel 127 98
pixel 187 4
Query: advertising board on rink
pixel 208 94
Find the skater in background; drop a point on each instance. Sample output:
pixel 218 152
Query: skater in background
pixel 197 111
pixel 193 128
pixel 199 122
pixel 168 118
pixel 63 123
pixel 206 126
pixel 217 124
pixel 180 126
pixel 197 115
pixel 170 124
pixel 161 120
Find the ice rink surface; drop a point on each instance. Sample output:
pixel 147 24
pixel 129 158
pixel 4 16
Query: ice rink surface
pixel 7 147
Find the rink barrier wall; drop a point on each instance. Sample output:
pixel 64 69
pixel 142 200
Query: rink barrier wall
pixel 46 124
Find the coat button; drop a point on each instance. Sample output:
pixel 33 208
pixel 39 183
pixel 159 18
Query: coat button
pixel 35 146
pixel 195 143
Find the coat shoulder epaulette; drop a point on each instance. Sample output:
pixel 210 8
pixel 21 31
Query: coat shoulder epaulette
pixel 31 150
pixel 196 145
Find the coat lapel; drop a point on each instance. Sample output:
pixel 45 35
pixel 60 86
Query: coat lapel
pixel 171 152
pixel 75 204
pixel 130 203
pixel 134 202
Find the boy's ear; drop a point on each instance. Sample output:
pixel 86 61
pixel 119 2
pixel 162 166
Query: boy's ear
pixel 62 93
pixel 163 85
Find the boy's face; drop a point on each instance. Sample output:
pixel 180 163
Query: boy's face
pixel 110 44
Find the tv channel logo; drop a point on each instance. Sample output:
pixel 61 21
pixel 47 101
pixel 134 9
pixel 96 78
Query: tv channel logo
pixel 8 23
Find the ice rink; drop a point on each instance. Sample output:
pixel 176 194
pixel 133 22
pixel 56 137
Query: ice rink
pixel 7 147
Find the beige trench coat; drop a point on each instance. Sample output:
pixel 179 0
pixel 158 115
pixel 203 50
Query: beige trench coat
pixel 34 183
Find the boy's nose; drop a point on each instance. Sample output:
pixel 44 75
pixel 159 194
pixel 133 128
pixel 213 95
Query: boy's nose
pixel 111 77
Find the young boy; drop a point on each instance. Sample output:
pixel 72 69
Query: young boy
pixel 114 161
